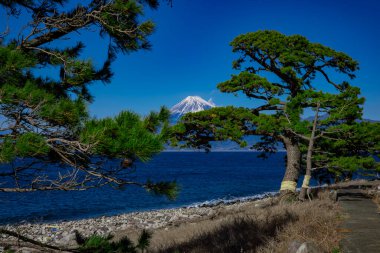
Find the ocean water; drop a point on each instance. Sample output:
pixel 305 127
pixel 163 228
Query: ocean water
pixel 203 177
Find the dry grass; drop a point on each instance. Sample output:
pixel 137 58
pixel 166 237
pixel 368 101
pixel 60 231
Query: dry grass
pixel 252 229
pixel 239 235
pixel 317 223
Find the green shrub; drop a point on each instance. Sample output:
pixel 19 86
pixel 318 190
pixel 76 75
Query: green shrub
pixel 104 244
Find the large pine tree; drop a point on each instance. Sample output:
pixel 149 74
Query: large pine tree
pixel 281 74
pixel 47 139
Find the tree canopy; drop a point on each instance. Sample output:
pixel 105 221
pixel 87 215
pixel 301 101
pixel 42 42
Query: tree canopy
pixel 284 76
pixel 44 118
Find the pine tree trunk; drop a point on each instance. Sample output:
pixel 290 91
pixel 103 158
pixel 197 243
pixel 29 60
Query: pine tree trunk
pixel 306 180
pixel 293 155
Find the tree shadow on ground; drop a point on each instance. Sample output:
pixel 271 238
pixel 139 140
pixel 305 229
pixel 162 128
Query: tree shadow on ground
pixel 238 235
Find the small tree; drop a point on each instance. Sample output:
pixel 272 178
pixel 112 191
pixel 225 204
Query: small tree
pixel 350 149
pixel 291 65
pixel 44 120
pixel 332 112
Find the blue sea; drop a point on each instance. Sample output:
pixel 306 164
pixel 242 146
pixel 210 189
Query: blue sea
pixel 204 178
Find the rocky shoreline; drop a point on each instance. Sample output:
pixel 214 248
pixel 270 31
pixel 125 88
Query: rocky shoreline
pixel 160 222
pixel 63 233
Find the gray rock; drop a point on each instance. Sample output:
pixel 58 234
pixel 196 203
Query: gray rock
pixel 68 239
pixel 293 246
pixel 333 195
pixel 308 247
pixel 45 239
pixel 27 250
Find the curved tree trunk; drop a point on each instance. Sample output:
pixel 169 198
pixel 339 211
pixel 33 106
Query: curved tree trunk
pixel 293 157
pixel 306 180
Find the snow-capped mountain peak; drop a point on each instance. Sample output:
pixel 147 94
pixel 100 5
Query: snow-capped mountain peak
pixel 191 104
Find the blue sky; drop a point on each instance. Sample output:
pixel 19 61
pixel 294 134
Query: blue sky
pixel 191 52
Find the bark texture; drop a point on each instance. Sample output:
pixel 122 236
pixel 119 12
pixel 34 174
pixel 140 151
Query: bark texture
pixel 292 162
pixel 309 156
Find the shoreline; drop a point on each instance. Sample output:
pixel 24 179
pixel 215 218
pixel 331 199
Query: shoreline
pixel 206 203
pixel 63 233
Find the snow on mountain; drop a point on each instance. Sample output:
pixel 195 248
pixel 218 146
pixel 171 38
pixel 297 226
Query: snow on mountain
pixel 190 104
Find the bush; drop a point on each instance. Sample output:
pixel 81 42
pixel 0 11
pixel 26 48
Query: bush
pixel 101 244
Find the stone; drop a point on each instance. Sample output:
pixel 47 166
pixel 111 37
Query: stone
pixel 308 247
pixel 26 250
pixel 68 240
pixel 293 246
pixel 45 239
pixel 333 195
pixel 104 229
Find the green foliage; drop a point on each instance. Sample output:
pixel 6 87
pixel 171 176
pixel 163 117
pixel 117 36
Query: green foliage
pixel 351 163
pixel 26 145
pixel 279 73
pixel 9 251
pixel 294 58
pixel 31 144
pixel 130 11
pixel 126 135
pixel 96 244
pixel 44 117
pixel 12 61
pixel 250 84
pixel 169 189
pixel 7 151
pixel 101 244
pixel 350 148
pixel 219 123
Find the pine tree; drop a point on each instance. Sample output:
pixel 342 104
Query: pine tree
pixel 350 149
pixel 332 114
pixel 277 72
pixel 48 141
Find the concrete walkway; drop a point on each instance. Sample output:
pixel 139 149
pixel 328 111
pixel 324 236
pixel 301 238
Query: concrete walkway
pixel 361 226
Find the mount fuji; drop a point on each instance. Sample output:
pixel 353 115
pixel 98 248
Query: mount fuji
pixel 190 104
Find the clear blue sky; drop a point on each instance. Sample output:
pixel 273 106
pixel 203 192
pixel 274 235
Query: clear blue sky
pixel 191 51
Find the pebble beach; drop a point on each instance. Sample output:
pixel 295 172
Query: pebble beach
pixel 63 233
